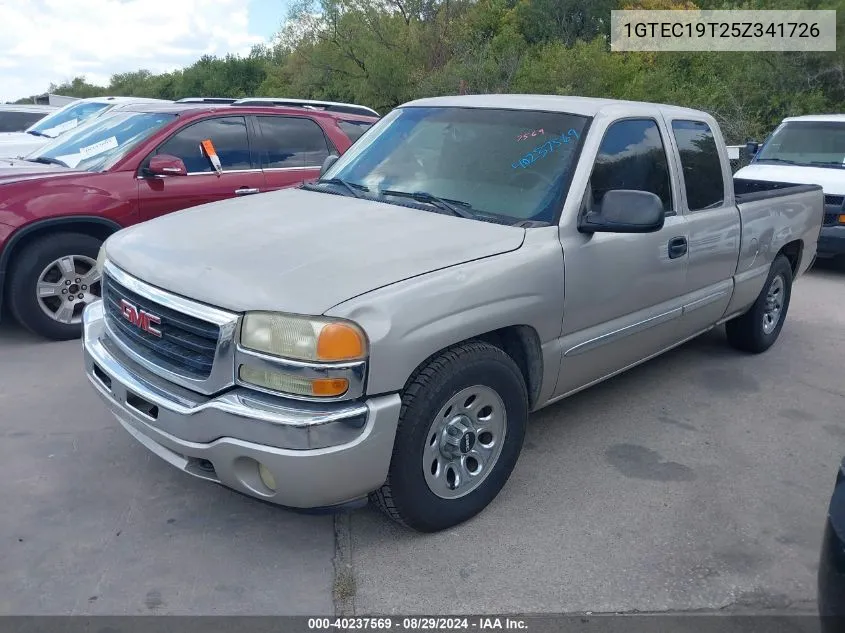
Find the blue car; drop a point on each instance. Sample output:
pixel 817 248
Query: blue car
pixel 832 563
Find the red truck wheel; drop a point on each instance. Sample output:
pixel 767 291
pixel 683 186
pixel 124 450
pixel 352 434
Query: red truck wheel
pixel 51 282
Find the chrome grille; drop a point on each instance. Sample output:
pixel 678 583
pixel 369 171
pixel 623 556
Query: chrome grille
pixel 187 345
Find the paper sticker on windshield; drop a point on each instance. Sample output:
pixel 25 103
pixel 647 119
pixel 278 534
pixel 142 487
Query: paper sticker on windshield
pixel 211 153
pixel 61 128
pixel 98 148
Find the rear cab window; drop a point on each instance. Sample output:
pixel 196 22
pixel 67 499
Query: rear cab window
pixel 704 182
pixel 633 156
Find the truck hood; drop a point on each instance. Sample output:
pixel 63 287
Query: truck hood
pixel 831 179
pixel 298 251
pixel 16 144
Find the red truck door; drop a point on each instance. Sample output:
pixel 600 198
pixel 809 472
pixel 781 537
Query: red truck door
pixel 239 176
pixel 292 149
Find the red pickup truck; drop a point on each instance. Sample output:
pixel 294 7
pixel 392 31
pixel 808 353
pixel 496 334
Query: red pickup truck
pixel 139 162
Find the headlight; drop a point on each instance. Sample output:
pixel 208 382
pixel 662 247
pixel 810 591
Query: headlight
pixel 301 338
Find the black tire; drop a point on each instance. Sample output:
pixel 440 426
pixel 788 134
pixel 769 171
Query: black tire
pixel 23 281
pixel 746 332
pixel 406 497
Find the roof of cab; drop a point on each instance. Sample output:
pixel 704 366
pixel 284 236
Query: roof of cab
pixel 585 106
pixel 818 118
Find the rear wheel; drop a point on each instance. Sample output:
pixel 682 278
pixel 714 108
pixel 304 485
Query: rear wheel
pixel 460 433
pixel 758 329
pixel 52 281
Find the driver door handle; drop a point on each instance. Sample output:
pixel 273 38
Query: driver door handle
pixel 245 191
pixel 677 247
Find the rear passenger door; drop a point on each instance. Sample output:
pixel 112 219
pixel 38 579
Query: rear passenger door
pixel 240 173
pixel 291 150
pixel 623 291
pixel 713 223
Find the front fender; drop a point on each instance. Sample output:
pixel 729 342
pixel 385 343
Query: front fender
pixel 409 321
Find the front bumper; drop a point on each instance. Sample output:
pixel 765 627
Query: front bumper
pixel 831 241
pixel 319 455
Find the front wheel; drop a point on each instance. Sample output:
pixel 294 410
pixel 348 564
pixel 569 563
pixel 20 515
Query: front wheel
pixel 52 281
pixel 460 433
pixel 758 329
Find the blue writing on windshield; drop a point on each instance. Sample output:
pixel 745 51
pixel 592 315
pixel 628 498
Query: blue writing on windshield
pixel 545 149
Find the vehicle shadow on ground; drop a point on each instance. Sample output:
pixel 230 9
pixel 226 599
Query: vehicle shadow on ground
pixel 13 334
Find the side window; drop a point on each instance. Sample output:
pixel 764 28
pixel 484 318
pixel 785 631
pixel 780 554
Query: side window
pixel 632 156
pixel 354 129
pixel 18 121
pixel 703 180
pixel 230 139
pixel 291 142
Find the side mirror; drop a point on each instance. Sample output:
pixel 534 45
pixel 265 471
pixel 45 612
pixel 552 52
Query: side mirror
pixel 751 148
pixel 331 159
pixel 166 165
pixel 625 211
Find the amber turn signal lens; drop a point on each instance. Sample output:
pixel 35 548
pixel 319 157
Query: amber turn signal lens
pixel 329 387
pixel 339 341
pixel 842 219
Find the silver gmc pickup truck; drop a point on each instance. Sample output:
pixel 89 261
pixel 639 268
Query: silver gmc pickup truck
pixel 385 332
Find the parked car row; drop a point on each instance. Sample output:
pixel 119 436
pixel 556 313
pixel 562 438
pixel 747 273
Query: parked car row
pixel 142 161
pixel 384 331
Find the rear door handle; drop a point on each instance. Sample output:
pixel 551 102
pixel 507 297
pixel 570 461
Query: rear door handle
pixel 677 247
pixel 245 191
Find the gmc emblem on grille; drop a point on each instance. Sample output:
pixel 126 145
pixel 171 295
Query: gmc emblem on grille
pixel 140 319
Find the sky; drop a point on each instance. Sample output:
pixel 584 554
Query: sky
pixel 51 41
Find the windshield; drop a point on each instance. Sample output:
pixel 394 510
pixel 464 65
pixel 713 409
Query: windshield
pixel 815 143
pixel 99 144
pixel 66 119
pixel 514 164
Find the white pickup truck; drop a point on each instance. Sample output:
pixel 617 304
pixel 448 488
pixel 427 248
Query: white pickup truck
pixel 811 150
pixel 387 330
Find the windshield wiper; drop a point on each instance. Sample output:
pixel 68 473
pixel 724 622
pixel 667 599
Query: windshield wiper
pixel 351 187
pixel 452 206
pixel 46 160
pixel 777 160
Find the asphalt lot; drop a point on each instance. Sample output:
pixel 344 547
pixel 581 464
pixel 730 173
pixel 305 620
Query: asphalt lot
pixel 698 481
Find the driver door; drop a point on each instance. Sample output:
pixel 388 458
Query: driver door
pixel 623 291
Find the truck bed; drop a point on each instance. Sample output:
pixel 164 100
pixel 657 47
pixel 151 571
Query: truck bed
pixel 748 190
pixel 773 216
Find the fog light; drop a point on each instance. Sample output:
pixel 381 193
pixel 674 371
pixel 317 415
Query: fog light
pixel 287 383
pixel 266 477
